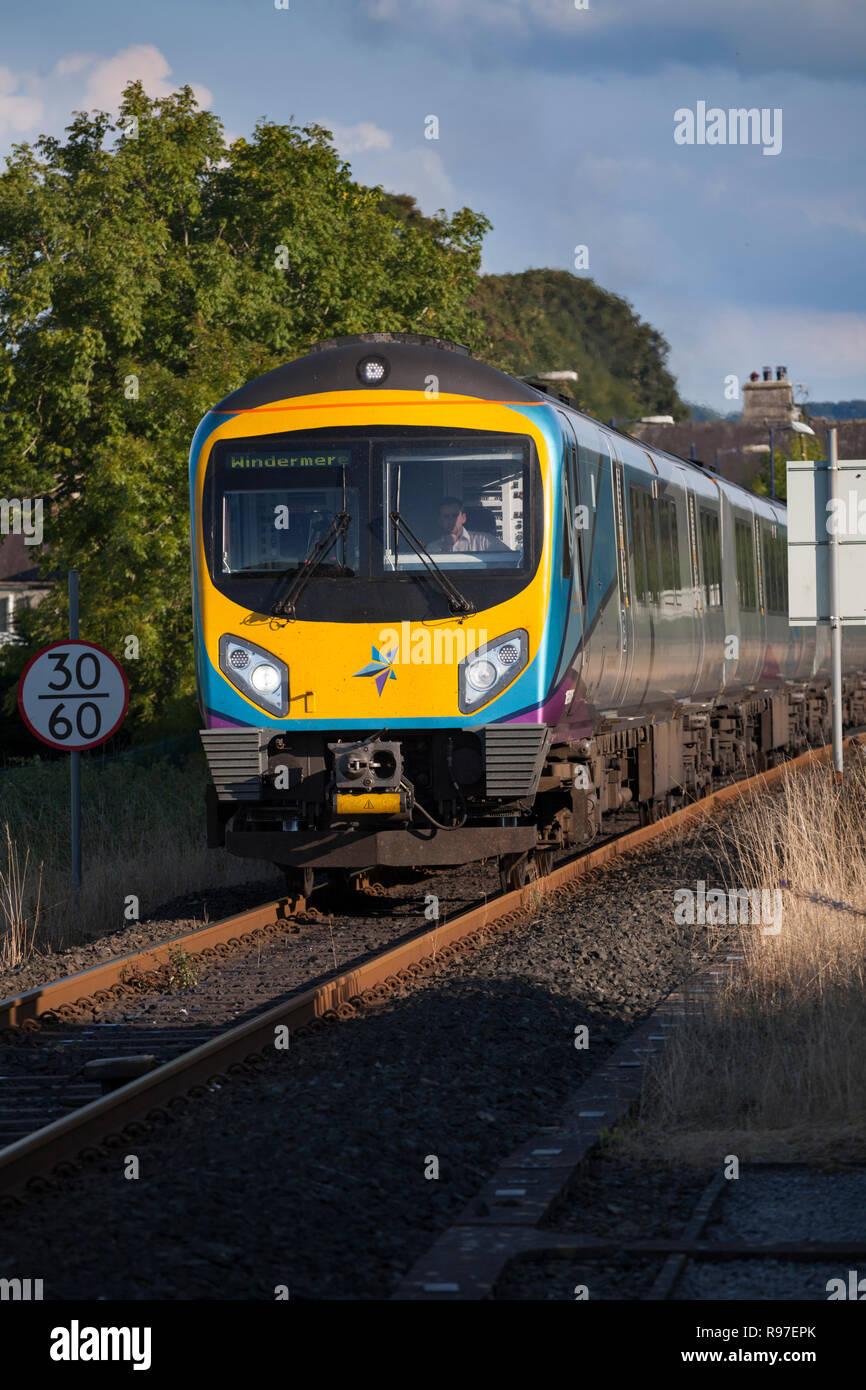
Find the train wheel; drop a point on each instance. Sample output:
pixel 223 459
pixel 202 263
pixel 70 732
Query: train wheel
pixel 543 862
pixel 513 871
pixel 299 882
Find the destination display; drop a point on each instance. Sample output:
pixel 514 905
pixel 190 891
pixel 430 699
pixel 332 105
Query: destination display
pixel 241 460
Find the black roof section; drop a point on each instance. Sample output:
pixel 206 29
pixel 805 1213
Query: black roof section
pixel 409 358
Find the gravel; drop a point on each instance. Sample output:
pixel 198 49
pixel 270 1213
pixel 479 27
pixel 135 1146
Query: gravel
pixel 312 1175
pixel 781 1204
pixel 611 1202
pixel 178 915
pixel 765 1204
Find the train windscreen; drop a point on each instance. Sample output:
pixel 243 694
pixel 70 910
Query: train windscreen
pixel 373 507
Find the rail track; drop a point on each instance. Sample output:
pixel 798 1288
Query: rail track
pixel 51 1152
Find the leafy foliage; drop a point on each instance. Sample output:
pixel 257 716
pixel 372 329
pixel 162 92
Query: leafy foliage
pixel 139 283
pixel 549 320
pixel 147 269
pixel 793 446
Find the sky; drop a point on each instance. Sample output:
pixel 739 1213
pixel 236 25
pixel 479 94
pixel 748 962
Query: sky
pixel 593 123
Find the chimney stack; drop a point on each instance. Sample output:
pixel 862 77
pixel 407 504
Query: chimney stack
pixel 767 402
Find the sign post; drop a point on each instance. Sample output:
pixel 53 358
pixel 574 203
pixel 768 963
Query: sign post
pixel 73 695
pixel 827 558
pixel 75 755
pixel 835 600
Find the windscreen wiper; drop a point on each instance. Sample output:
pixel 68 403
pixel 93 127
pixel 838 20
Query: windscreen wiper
pixel 285 608
pixel 456 602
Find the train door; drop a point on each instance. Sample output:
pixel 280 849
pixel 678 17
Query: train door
pixel 576 518
pixel 701 587
pixel 625 625
pixel 715 625
pixel 599 564
pixel 749 599
pixel 762 595
pixel 692 627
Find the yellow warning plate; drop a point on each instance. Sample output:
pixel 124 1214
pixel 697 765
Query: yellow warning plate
pixel 368 803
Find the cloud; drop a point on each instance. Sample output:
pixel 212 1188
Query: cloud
pixel 19 111
pixel 73 62
pixel 822 349
pixel 377 159
pixel 357 139
pixel 141 62
pixel 634 35
pixel 419 171
pixel 835 214
pixel 82 81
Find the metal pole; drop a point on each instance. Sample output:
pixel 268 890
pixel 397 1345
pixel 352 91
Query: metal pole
pixel 75 758
pixel 772 463
pixel 835 603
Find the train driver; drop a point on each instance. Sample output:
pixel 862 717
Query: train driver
pixel 455 537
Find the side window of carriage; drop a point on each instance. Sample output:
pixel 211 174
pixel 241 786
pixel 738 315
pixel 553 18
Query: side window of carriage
pixel 711 554
pixel 670 552
pixel 644 544
pixel 747 590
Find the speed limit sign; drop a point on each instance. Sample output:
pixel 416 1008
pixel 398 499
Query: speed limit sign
pixel 73 695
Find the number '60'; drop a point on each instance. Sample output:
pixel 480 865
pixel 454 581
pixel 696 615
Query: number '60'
pixel 60 727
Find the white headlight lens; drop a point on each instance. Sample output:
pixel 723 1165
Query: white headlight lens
pixel 372 370
pixel 265 678
pixel 481 674
pixel 491 669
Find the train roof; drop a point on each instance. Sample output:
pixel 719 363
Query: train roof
pixel 703 470
pixel 335 364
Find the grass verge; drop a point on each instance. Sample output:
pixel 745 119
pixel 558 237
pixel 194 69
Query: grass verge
pixel 143 842
pixel 772 1066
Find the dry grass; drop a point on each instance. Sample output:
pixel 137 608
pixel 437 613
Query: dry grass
pixel 143 835
pixel 773 1066
pixel 19 909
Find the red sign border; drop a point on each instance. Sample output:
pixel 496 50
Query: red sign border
pixel 72 642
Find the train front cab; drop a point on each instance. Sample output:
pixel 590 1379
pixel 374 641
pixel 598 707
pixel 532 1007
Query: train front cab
pixel 405 723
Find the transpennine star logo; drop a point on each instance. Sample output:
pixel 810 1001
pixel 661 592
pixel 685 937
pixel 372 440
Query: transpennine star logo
pixel 380 668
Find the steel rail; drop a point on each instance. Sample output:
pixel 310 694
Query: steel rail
pixel 341 996
pixel 71 989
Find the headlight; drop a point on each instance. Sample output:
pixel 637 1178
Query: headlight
pixel 481 674
pixel 255 673
pixel 372 371
pixel 490 669
pixel 265 678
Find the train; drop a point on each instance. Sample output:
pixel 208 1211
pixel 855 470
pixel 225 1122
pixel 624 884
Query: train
pixel 442 615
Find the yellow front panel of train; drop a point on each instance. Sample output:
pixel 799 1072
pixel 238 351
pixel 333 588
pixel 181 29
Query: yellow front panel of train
pixel 363 670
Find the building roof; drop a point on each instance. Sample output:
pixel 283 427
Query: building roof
pixel 737 463
pixel 18 560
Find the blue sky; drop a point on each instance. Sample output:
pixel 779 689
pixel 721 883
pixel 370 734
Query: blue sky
pixel 556 122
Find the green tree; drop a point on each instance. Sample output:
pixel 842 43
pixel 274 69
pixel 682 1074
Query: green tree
pixel 146 270
pixel 547 320
pixel 795 446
